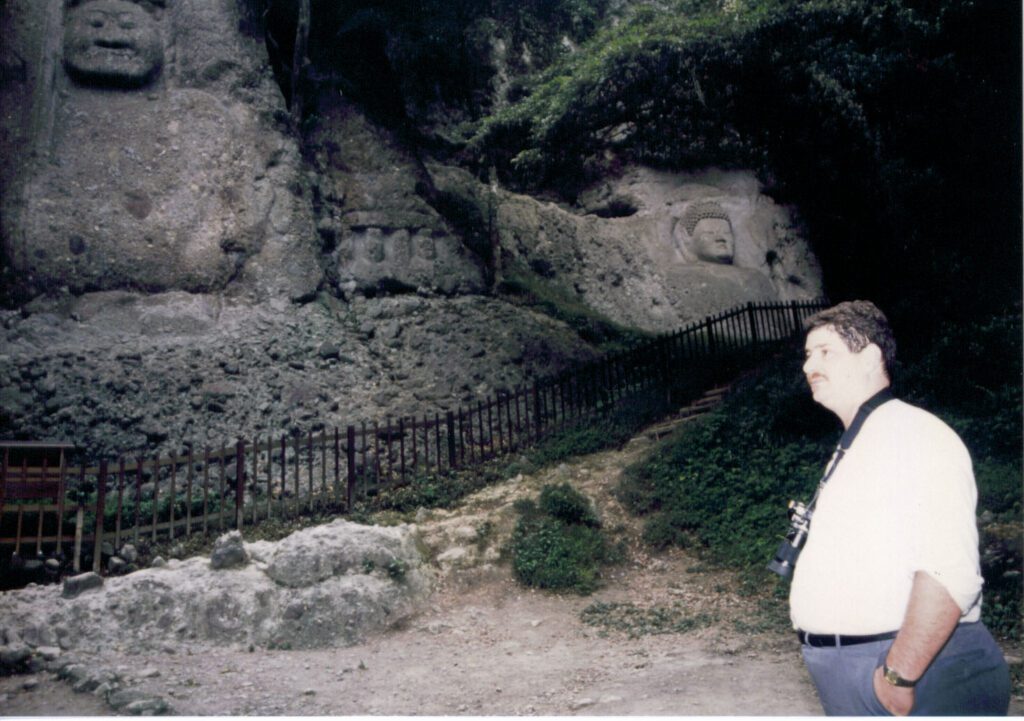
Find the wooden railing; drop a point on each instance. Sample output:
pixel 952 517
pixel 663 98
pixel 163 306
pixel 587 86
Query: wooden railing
pixel 135 498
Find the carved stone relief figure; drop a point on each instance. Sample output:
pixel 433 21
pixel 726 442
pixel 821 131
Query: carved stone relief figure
pixel 149 181
pixel 112 43
pixel 382 234
pixel 653 249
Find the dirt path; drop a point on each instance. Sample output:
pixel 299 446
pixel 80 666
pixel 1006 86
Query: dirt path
pixel 487 646
pixel 494 649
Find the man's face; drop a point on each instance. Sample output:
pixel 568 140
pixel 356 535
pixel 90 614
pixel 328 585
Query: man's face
pixel 112 42
pixel 839 378
pixel 713 240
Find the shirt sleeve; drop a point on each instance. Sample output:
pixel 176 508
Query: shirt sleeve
pixel 941 504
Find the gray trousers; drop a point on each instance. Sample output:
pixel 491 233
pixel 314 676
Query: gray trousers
pixel 969 677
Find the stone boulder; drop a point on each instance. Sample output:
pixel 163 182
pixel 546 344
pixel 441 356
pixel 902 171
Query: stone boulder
pixel 309 558
pixel 229 551
pixel 75 586
pixel 332 585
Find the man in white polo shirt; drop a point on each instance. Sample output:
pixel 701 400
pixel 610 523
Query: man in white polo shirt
pixel 886 595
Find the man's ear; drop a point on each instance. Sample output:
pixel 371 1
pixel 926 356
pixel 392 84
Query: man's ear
pixel 872 356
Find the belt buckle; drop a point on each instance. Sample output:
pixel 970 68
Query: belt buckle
pixel 821 640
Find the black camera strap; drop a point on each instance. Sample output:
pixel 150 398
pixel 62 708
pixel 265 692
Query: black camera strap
pixel 846 440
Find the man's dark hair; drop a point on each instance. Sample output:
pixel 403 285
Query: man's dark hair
pixel 859 323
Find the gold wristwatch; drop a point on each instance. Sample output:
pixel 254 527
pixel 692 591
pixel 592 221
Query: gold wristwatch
pixel 893 678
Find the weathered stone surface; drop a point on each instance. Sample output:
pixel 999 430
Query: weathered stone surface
pixel 129 553
pixel 120 699
pixel 305 559
pixel 49 653
pixel 133 371
pixel 164 215
pixel 627 251
pixel 384 234
pixel 141 173
pixel 111 43
pixel 324 586
pixel 229 551
pixel 14 655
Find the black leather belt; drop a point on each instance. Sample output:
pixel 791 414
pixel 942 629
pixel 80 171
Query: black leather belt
pixel 820 640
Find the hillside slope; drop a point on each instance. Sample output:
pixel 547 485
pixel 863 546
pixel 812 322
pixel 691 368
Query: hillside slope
pixel 485 645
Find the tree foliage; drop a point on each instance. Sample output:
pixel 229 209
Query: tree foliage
pixel 893 125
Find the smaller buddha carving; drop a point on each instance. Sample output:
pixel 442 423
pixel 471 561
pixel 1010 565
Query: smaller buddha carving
pixel 113 43
pixel 709 237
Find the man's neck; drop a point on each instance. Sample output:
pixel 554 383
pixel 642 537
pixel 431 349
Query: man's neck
pixel 850 413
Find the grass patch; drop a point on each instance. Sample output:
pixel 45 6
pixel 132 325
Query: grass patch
pixel 635 621
pixel 610 429
pixel 771 616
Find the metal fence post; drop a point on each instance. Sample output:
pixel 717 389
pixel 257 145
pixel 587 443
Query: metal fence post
pixel 797 323
pixel 350 455
pixel 752 315
pixel 337 465
pixel 536 410
pixel 101 502
pixel 450 420
pixel 239 482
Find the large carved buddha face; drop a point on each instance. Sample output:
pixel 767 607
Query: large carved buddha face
pixel 712 240
pixel 112 43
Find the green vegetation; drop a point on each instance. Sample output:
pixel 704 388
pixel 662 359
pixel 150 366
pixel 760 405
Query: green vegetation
pixel 143 513
pixel 845 108
pixel 527 288
pixel 403 57
pixel 620 423
pixel 721 485
pixel 558 542
pixel 612 429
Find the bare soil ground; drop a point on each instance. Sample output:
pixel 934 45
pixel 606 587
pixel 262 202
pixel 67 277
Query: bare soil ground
pixel 487 646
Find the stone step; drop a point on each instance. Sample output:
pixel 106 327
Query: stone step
pixel 697 408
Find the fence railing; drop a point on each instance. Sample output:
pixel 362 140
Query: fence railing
pixel 49 508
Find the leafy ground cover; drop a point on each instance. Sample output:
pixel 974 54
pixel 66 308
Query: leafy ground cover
pixel 558 542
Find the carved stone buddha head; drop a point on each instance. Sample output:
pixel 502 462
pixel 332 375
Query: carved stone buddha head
pixel 709 235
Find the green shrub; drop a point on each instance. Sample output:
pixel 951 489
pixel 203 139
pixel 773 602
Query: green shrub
pixel 559 543
pixel 722 484
pixel 564 503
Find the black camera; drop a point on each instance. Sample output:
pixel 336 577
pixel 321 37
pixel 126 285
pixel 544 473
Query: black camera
pixel 789 549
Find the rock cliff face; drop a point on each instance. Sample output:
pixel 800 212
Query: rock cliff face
pixel 631 248
pixel 178 267
pixel 154 160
